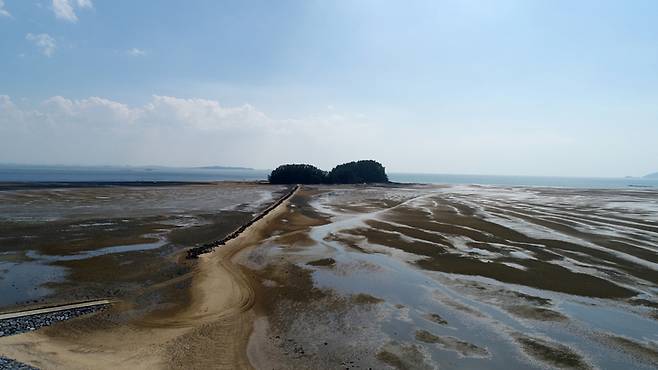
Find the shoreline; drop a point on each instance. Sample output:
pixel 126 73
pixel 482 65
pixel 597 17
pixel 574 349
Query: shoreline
pixel 30 185
pixel 649 185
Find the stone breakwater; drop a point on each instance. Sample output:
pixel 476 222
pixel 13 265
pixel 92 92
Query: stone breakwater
pixel 24 324
pixel 30 323
pixel 195 252
pixel 6 363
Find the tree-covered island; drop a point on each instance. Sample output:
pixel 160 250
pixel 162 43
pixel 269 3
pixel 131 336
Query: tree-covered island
pixel 359 172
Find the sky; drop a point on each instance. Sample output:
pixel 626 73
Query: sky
pixel 527 87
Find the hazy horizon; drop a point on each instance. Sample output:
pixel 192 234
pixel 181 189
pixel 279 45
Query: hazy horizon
pixel 239 167
pixel 542 88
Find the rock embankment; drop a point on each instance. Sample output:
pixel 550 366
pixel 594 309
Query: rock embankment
pixel 24 324
pixel 6 363
pixel 195 252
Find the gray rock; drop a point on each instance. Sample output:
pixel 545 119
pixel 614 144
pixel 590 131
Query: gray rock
pixel 6 363
pixel 34 322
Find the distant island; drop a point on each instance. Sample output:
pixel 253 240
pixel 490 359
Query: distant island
pixel 359 172
pixel 224 168
pixel 652 176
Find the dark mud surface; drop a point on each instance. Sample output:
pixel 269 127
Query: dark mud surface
pixel 453 277
pixel 554 354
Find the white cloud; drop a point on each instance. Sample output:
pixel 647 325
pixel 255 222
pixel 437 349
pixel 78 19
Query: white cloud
pixel 44 42
pixel 170 130
pixel 85 4
pixel 4 12
pixel 93 111
pixel 135 52
pixel 191 131
pixel 64 9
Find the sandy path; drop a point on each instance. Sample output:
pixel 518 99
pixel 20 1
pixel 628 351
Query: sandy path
pixel 211 333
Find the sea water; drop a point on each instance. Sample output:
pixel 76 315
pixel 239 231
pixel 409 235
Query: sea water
pixel 18 173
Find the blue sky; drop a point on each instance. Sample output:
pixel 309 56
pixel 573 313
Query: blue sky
pixel 496 87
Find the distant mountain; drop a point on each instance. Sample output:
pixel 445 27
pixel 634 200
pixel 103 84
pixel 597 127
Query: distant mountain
pixel 224 168
pixel 652 176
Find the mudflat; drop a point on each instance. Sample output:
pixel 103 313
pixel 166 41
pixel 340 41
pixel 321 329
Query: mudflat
pixel 403 277
pixel 166 323
pixel 452 277
pixel 64 243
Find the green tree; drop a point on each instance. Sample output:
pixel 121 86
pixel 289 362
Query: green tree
pixel 297 174
pixel 365 171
